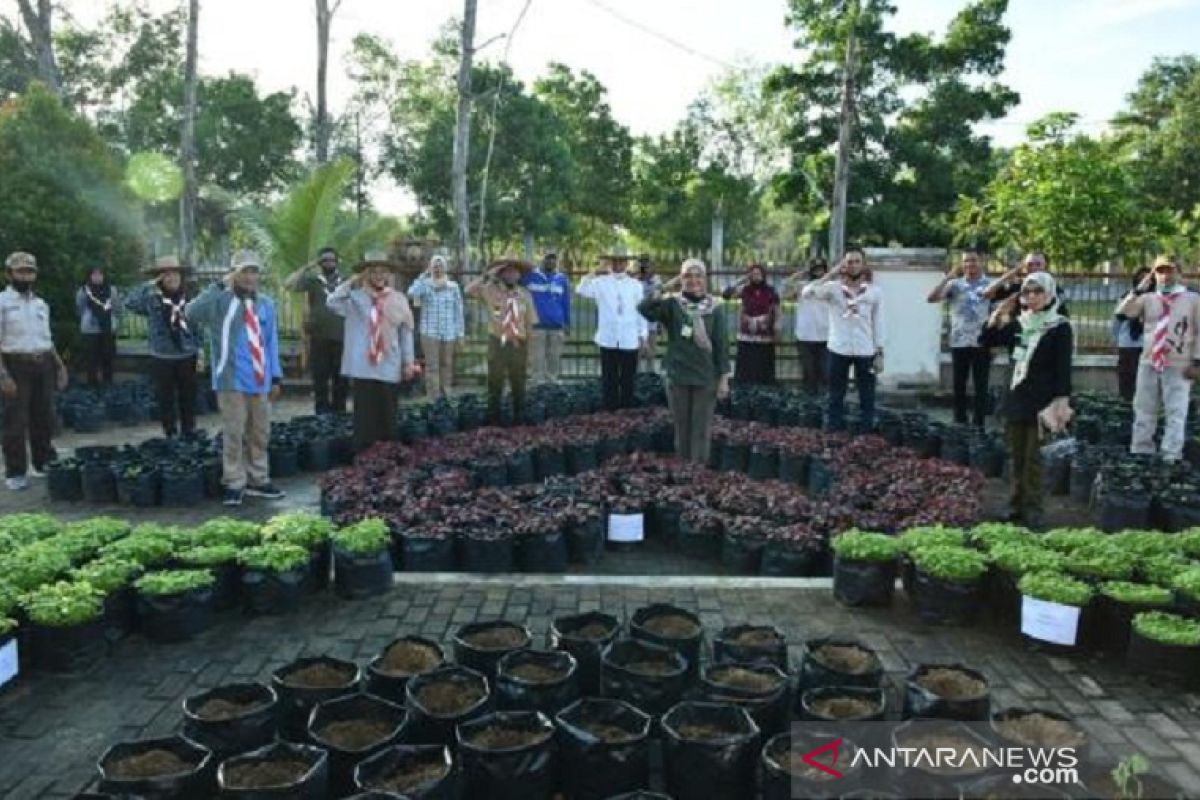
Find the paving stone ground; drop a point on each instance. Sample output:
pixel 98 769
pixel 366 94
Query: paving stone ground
pixel 52 728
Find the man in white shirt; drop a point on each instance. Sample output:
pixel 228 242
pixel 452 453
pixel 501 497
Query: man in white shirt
pixel 812 327
pixel 620 330
pixel 855 336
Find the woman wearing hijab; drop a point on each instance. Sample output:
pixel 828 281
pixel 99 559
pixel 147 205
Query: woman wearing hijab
pixel 697 358
pixel 98 306
pixel 1039 396
pixel 756 326
pixel 174 344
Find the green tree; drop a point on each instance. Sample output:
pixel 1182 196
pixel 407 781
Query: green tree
pixel 64 201
pixel 917 100
pixel 1065 193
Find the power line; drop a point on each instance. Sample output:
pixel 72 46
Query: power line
pixel 633 23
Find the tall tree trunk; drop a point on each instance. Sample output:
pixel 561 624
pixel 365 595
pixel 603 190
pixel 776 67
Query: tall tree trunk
pixel 841 179
pixel 462 137
pixel 325 13
pixel 41 32
pixel 187 144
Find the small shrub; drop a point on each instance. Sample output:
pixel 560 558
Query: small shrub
pixel 1163 569
pixel 917 538
pixel 990 534
pixel 228 531
pixel 1189 542
pixel 947 563
pixel 210 555
pixel 857 545
pixel 300 528
pixel 148 548
pixel 276 557
pixel 107 574
pixel 34 564
pixel 1017 558
pixel 1101 560
pixel 1172 629
pixel 1136 594
pixel 1187 583
pixel 10 597
pixel 1066 540
pixel 17 530
pixel 64 604
pixel 1055 587
pixel 1143 544
pixel 173 581
pixel 367 537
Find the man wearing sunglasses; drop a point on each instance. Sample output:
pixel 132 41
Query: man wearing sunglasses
pixel 1170 314
pixel 1009 284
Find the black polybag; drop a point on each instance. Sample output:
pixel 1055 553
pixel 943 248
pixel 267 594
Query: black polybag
pixel 528 772
pixel 592 768
pixel 653 694
pixel 920 703
pixel 815 674
pixel 195 784
pixel 587 652
pixel 726 647
pixel 722 769
pixel 342 761
pixel 371 773
pixel 432 727
pixel 297 702
pixel 270 592
pixel 391 686
pixel 690 648
pixel 514 693
pixel 484 660
pixel 314 785
pixel 359 576
pixel 863 583
pixel 249 730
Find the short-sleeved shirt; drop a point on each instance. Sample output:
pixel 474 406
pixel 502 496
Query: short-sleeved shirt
pixel 24 323
pixel 968 310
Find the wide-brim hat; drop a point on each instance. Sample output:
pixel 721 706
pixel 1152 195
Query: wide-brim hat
pixel 1165 261
pixel 376 258
pixel 245 259
pixel 501 264
pixel 617 258
pixel 165 264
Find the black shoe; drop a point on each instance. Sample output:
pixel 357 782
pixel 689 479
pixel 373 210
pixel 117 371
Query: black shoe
pixel 267 490
pixel 233 497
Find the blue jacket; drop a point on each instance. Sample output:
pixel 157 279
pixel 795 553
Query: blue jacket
pixel 219 312
pixel 146 301
pixel 551 298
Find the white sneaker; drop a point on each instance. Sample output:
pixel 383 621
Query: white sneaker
pixel 17 484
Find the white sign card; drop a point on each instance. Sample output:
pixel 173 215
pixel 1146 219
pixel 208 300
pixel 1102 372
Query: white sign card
pixel 1049 622
pixel 626 527
pixel 9 663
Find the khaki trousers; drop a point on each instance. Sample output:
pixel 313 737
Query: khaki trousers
pixel 545 355
pixel 1025 448
pixel 245 427
pixel 1168 392
pixel 692 407
pixel 439 366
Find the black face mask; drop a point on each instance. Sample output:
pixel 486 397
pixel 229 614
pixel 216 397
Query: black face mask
pixel 21 285
pixel 693 296
pixel 551 266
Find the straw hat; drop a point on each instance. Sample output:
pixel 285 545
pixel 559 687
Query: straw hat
pixel 375 258
pixel 165 264
pixel 523 266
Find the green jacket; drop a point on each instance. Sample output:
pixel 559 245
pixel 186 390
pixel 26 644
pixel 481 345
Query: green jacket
pixel 687 364
pixel 322 323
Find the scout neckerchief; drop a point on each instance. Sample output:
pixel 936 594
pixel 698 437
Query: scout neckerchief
pixel 254 340
pixel 852 298
pixel 328 283
pixel 1160 350
pixel 510 324
pixel 695 310
pixel 376 342
pixel 173 311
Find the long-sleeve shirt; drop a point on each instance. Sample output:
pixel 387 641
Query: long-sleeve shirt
pixel 1049 373
pixel 221 313
pixel 619 326
pixel 355 304
pixel 88 321
pixel 551 297
pixel 688 364
pixel 317 286
pixel 441 309
pixel 147 300
pixel 1183 347
pixel 496 297
pixel 24 323
pixel 855 329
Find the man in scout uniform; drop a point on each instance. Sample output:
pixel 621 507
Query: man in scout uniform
pixel 30 371
pixel 246 374
pixel 174 344
pixel 511 318
pixel 324 328
pixel 378 350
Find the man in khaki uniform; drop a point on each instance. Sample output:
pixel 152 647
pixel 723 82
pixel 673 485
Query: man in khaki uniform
pixel 1170 313
pixel 30 371
pixel 511 318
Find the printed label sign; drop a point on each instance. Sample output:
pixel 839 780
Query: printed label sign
pixel 626 527
pixel 8 662
pixel 1049 622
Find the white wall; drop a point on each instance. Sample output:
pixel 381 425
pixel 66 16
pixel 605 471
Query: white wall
pixel 912 327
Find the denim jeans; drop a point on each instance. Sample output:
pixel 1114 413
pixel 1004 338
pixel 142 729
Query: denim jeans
pixel 839 380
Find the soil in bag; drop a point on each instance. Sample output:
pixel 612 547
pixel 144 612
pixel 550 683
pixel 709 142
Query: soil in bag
pixel 481 645
pixel 171 767
pixel 647 676
pixel 604 749
pixel 360 576
pixel 389 672
pixel 306 682
pixel 843 704
pixel 438 701
pixel 293 771
pixel 585 636
pixel 673 627
pixel 947 691
pixel 419 772
pixel 710 752
pixel 352 729
pixel 751 644
pixel 231 719
pixel 509 755
pixel 536 680
pixel 839 662
pixel 785 774
pixel 761 689
pixel 1028 727
pixel 863 583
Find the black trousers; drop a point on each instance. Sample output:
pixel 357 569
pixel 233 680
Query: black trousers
pixel 329 385
pixel 814 358
pixel 973 363
pixel 1127 370
pixel 30 415
pixel 375 406
pixel 506 363
pixel 755 363
pixel 175 381
pixel 618 368
pixel 99 353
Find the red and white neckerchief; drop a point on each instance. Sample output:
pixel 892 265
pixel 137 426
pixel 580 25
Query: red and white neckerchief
pixel 510 325
pixel 1161 348
pixel 254 339
pixel 376 343
pixel 852 299
pixel 178 319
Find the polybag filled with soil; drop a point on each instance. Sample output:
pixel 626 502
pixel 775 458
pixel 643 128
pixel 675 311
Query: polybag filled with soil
pixel 171 767
pixel 481 645
pixel 947 691
pixel 389 672
pixel 751 644
pixel 585 636
pixel 306 682
pixel 439 701
pixel 509 755
pixel 710 752
pixel 419 772
pixel 536 680
pixel 673 627
pixel 605 748
pixel 231 719
pixel 761 689
pixel 280 770
pixel 839 662
pixel 645 675
pixel 352 729
pixel 843 704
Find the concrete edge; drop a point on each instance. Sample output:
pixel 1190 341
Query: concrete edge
pixel 647 581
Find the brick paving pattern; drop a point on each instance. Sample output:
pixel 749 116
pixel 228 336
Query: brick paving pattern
pixel 52 728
